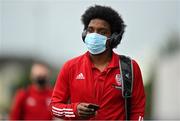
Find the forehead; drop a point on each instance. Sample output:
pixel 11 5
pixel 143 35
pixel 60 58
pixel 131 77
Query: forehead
pixel 99 23
pixel 38 69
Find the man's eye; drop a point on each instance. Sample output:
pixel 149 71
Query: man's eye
pixel 103 33
pixel 89 30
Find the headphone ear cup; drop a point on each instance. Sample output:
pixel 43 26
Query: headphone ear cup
pixel 115 39
pixel 84 35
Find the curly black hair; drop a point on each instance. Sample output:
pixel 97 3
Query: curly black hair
pixel 105 13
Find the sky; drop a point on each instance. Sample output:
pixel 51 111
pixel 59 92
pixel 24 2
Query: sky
pixel 51 29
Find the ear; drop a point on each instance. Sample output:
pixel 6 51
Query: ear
pixel 108 43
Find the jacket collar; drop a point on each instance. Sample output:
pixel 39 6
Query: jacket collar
pixel 114 62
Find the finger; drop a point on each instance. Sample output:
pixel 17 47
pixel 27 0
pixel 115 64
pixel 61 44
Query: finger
pixel 85 104
pixel 85 116
pixel 85 109
pixel 86 112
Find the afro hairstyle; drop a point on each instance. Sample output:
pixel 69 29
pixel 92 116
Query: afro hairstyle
pixel 109 15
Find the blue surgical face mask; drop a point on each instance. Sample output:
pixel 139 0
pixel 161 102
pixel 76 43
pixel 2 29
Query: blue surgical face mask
pixel 95 43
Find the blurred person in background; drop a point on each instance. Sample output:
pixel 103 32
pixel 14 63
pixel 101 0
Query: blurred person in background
pixel 83 88
pixel 32 103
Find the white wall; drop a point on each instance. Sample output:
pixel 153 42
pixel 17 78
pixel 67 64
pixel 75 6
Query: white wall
pixel 166 96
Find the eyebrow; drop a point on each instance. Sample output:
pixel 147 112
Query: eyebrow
pixel 102 28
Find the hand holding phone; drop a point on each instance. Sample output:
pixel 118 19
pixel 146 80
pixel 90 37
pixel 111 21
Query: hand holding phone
pixel 86 110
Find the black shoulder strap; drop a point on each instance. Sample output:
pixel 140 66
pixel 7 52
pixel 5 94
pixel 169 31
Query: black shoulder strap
pixel 127 75
pixel 126 69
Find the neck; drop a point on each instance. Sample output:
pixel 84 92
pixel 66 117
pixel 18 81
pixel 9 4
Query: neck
pixel 101 61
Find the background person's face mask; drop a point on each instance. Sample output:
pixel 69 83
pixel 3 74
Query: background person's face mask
pixel 41 81
pixel 95 43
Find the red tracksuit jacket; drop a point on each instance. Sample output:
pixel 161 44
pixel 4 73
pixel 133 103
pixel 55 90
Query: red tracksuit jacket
pixel 31 104
pixel 79 81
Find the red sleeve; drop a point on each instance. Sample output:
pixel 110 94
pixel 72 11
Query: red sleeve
pixel 138 96
pixel 17 106
pixel 60 96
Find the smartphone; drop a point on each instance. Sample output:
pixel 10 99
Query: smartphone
pixel 93 106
